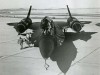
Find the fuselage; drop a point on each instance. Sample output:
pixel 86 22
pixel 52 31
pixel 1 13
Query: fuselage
pixel 47 38
pixel 47 44
pixel 50 38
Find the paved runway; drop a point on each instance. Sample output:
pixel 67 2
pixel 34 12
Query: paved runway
pixel 29 61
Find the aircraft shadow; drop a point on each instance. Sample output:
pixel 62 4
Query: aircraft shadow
pixel 85 36
pixel 66 53
pixel 98 24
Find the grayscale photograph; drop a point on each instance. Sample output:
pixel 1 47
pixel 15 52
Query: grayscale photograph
pixel 49 37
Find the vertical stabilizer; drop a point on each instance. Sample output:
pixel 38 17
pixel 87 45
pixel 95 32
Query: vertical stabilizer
pixel 69 11
pixel 28 15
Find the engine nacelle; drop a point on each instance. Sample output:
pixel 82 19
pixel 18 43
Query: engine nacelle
pixel 74 24
pixel 23 25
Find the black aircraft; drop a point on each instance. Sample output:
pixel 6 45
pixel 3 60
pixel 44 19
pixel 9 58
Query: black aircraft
pixel 47 34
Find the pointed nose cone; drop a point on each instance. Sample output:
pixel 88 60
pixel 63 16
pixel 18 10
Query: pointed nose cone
pixel 46 46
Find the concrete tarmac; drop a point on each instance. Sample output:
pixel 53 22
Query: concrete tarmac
pixel 85 60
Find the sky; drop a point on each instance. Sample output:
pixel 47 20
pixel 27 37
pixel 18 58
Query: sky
pixel 41 4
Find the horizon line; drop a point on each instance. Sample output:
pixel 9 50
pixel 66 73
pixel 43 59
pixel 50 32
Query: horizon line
pixel 47 8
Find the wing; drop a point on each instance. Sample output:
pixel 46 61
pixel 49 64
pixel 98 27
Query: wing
pixel 85 22
pixel 38 31
pixel 35 26
pixel 12 24
pixel 61 24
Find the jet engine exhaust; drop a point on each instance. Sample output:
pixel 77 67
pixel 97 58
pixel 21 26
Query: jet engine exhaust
pixel 76 26
pixel 23 25
pixel 20 28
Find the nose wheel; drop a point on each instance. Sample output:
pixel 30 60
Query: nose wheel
pixel 46 65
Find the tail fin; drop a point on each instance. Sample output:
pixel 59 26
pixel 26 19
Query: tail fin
pixel 69 11
pixel 28 15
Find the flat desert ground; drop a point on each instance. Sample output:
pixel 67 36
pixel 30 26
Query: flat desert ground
pixel 29 61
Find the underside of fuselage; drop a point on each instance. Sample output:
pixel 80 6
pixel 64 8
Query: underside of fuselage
pixel 47 44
